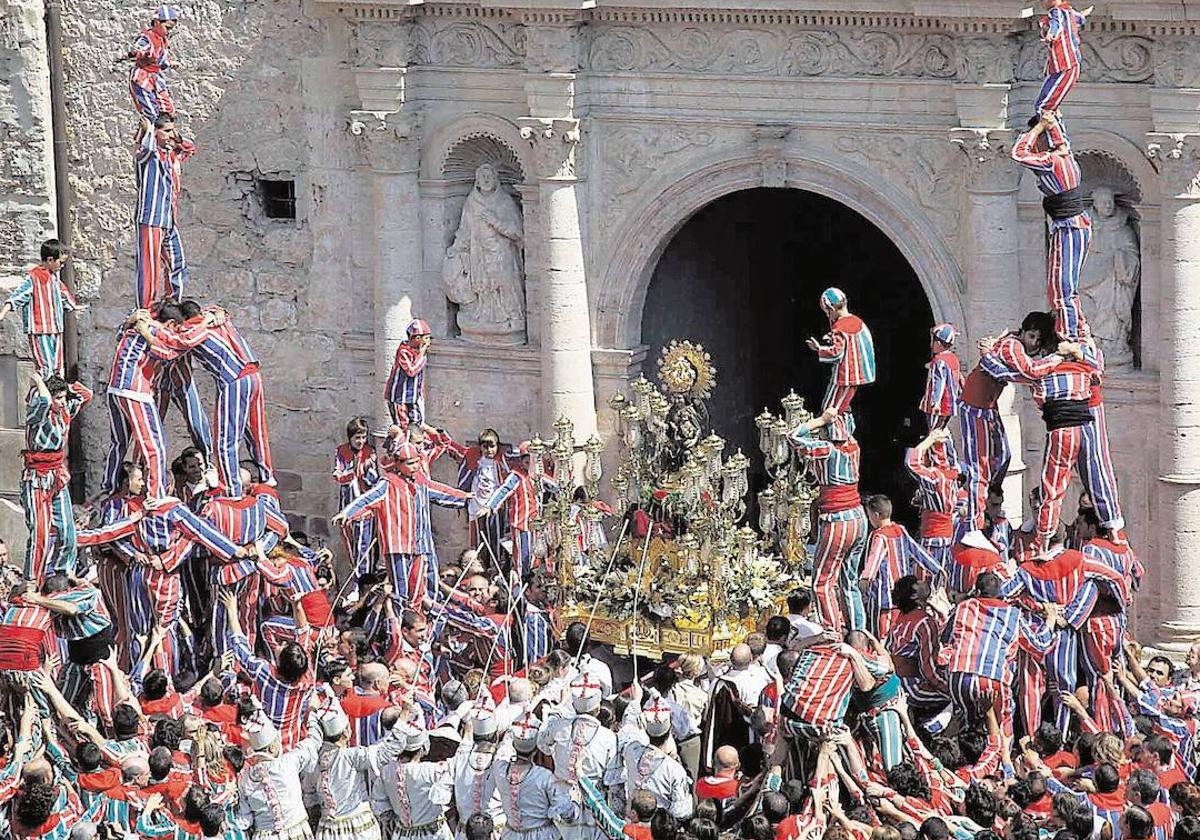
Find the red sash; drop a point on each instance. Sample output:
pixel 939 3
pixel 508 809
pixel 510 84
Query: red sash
pixel 936 524
pixel 838 497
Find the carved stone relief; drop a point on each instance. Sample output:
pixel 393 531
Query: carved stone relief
pixel 924 166
pixel 468 43
pixel 633 154
pixel 768 53
pixel 1107 57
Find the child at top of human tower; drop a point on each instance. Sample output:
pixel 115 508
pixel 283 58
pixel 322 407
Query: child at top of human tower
pixel 1064 58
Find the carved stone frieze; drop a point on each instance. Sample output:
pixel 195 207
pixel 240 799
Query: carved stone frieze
pixel 1177 63
pixel 633 154
pixel 555 144
pixel 924 167
pixel 1177 159
pixel 468 43
pixel 771 53
pixel 1107 57
pixel 552 48
pixel 987 60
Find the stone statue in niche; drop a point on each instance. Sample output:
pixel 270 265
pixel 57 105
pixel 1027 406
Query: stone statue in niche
pixel 484 270
pixel 1110 278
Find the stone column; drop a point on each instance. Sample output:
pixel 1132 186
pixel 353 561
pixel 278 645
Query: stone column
pixel 391 148
pixel 991 263
pixel 566 332
pixel 1178 161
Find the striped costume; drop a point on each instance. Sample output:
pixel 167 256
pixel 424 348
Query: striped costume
pixel 42 298
pixel 239 411
pixel 817 694
pixel 979 644
pixel 1056 580
pixel 1058 178
pixel 937 498
pixel 147 87
pixel 45 483
pixel 157 544
pixel 913 642
pixel 521 495
pixel 134 422
pixel 175 384
pixel 891 554
pixel 971 557
pixel 841 528
pixel 1064 60
pixel 1096 471
pixel 356 472
pixel 1103 632
pixel 943 392
pixel 161 268
pixel 1064 396
pixel 405 388
pixel 986 452
pixel 400 507
pixel 285 704
pixel 850 349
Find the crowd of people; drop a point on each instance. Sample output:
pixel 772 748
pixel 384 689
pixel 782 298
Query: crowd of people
pixel 178 662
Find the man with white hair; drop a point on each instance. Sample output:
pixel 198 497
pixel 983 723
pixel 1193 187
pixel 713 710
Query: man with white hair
pixel 341 780
pixel 270 801
pixel 411 795
pixel 515 702
pixel 530 795
pixel 580 745
pixel 474 782
pixel 647 760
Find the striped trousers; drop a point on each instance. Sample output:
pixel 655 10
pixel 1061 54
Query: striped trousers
pixel 1096 471
pixel 939 548
pixel 1101 639
pixel 50 521
pixel 1059 672
pixel 409 575
pixel 150 94
pixel 47 352
pixel 974 694
pixel 885 728
pixel 178 387
pixel 841 540
pixel 155 598
pixel 162 270
pixel 135 428
pixel 838 398
pixel 240 414
pixel 1063 452
pixel 1054 91
pixel 1064 265
pixel 985 454
pixel 359 538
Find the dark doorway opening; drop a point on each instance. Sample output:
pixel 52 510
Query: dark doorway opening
pixel 743 276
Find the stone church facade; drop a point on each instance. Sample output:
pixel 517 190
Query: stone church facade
pixel 605 126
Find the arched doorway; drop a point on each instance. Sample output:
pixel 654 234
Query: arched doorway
pixel 743 275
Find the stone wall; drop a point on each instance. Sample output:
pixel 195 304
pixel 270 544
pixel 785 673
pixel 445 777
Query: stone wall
pixel 260 88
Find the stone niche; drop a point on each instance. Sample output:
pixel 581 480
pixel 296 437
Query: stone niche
pixel 480 217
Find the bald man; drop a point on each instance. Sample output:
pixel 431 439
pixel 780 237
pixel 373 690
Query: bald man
pixel 723 784
pixel 515 702
pixel 747 675
pixel 365 702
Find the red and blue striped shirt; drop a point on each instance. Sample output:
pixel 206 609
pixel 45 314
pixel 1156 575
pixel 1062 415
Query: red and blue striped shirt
pixel 850 349
pixel 286 704
pixel 47 426
pixel 892 553
pixel 42 298
pixel 159 178
pixel 983 636
pixel 400 505
pixel 406 384
pixel 221 350
pixel 818 692
pixel 943 384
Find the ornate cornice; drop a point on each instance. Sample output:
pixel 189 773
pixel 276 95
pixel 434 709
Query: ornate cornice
pixel 1176 157
pixel 965 16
